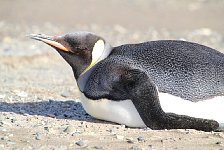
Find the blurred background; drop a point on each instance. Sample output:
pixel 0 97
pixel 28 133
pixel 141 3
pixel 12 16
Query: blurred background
pixel 33 67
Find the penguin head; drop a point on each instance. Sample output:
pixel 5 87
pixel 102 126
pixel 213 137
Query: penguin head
pixel 82 50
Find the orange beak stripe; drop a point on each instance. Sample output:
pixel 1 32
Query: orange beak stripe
pixel 55 44
pixel 48 40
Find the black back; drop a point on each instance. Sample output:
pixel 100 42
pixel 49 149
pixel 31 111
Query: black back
pixel 188 70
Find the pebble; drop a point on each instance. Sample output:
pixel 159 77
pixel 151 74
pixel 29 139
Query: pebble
pixel 219 142
pixel 4 138
pixel 82 143
pixel 120 137
pixel 69 129
pixel 123 126
pixel 51 115
pixel 113 131
pixel 130 140
pixel 38 136
pixel 135 148
pixel 149 147
pixel 2 145
pixel 65 93
pixel 98 147
pixel 48 129
pixel 141 139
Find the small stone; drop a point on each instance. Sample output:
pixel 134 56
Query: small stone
pixel 113 131
pixel 135 148
pixel 48 129
pixel 65 93
pixel 130 140
pixel 120 137
pixel 219 142
pixel 98 147
pixel 51 115
pixel 69 129
pixel 149 147
pixel 4 138
pixel 141 139
pixel 38 136
pixel 82 143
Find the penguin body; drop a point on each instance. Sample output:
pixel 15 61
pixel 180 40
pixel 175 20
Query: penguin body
pixel 131 84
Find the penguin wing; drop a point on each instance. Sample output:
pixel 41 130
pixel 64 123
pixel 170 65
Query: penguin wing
pixel 121 82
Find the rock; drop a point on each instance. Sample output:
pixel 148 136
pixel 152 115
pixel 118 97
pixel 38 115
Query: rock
pixel 218 143
pixel 51 115
pixel 4 138
pixel 141 139
pixel 135 148
pixel 149 147
pixel 130 140
pixel 69 129
pixel 48 129
pixel 65 93
pixel 82 143
pixel 38 136
pixel 113 131
pixel 123 126
pixel 2 145
pixel 120 137
pixel 98 147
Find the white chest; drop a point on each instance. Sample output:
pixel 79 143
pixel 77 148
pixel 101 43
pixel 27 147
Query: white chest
pixel 124 112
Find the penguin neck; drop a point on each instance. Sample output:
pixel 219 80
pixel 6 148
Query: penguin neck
pixel 83 78
pixel 77 64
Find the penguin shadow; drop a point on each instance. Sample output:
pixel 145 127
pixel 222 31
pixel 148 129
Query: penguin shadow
pixel 69 109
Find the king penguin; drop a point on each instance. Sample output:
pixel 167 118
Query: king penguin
pixel 165 84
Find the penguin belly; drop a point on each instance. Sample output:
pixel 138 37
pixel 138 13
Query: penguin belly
pixel 121 112
pixel 207 109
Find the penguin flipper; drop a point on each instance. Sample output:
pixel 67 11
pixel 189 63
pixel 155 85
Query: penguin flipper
pixel 120 82
pixel 144 95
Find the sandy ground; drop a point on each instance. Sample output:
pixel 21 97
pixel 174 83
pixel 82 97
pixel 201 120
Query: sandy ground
pixel 39 102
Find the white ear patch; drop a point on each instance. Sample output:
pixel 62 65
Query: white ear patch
pixel 97 51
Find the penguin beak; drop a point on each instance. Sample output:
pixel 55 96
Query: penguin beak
pixel 50 40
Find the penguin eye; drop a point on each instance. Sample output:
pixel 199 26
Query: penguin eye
pixel 81 48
